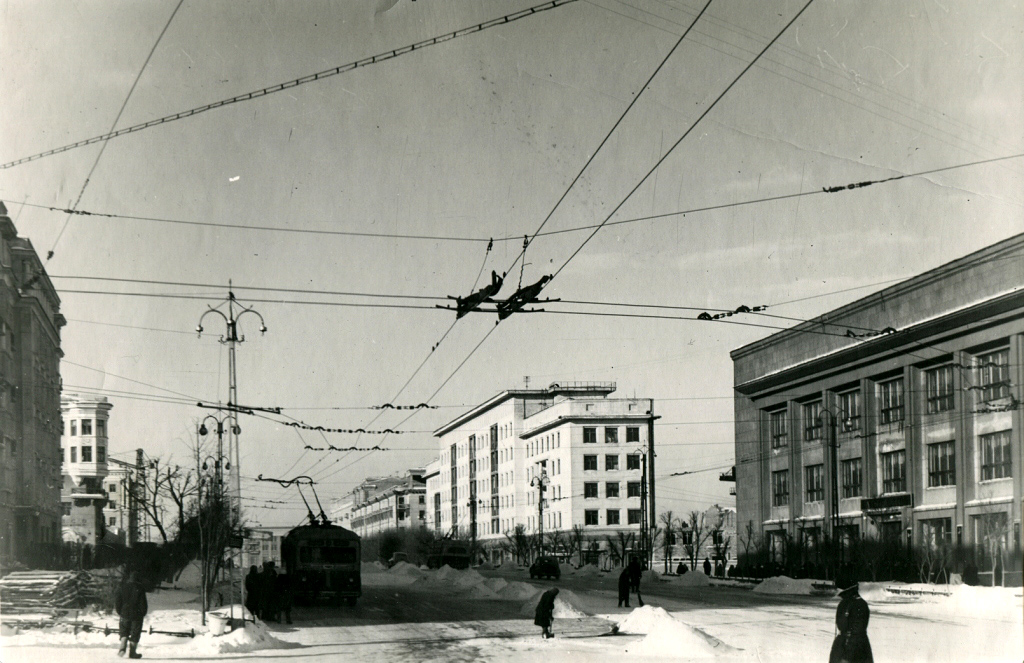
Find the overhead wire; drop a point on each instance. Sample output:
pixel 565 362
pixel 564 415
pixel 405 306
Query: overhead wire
pixel 113 126
pixel 288 85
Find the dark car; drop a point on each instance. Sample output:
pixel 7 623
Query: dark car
pixel 545 567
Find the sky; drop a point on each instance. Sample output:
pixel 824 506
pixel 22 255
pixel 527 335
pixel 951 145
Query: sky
pixel 477 138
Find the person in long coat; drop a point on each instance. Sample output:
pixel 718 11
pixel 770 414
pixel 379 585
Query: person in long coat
pixel 851 644
pixel 707 567
pixel 636 572
pixel 268 597
pixel 284 596
pixel 252 590
pixel 131 606
pixel 624 586
pixel 544 615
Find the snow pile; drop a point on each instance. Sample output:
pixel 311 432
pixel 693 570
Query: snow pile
pixel 693 579
pixel 253 637
pixel 369 567
pixel 785 585
pixel 445 574
pixel 405 568
pixel 518 591
pixel 564 608
pixel 588 571
pixel 650 575
pixel 189 577
pixel 566 569
pixel 496 584
pixel 467 578
pixel 669 637
pixel 481 591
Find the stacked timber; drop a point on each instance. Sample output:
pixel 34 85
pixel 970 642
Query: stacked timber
pixel 44 591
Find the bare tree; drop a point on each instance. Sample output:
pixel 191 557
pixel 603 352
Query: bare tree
pixel 578 536
pixel 181 486
pixel 619 545
pixel 694 533
pixel 668 539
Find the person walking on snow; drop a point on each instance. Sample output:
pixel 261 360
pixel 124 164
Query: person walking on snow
pixel 624 583
pixel 544 615
pixel 131 606
pixel 636 571
pixel 252 591
pixel 851 644
pixel 707 567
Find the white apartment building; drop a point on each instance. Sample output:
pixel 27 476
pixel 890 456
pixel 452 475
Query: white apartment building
pixel 587 449
pixel 389 503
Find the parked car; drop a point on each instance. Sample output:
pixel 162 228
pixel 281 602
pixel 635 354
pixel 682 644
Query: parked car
pixel 545 567
pixel 398 557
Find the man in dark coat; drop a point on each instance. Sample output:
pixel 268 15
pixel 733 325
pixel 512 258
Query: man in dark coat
pixel 268 600
pixel 707 567
pixel 544 615
pixel 284 596
pixel 681 569
pixel 851 644
pixel 624 586
pixel 252 590
pixel 131 606
pixel 636 571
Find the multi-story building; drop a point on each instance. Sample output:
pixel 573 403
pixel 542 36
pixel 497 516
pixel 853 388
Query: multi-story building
pixel 340 512
pixel 84 449
pixel 897 416
pixel 389 503
pixel 116 511
pixel 30 429
pixel 545 459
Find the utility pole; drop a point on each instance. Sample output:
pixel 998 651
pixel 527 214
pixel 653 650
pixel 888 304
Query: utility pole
pixel 653 517
pixel 139 496
pixel 540 482
pixel 232 339
pixel 834 512
pixel 643 504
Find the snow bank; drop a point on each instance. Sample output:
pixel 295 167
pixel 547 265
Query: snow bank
pixel 785 585
pixel 391 580
pixel 482 591
pixel 566 569
pixel 518 591
pixel 669 637
pixel 367 568
pixel 693 579
pixel 650 575
pixel 467 578
pixel 405 568
pixel 587 571
pixel 253 637
pixel 566 606
pixel 189 577
pixel 444 574
pixel 496 584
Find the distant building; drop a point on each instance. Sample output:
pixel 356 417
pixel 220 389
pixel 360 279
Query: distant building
pixel 586 449
pixel 340 512
pixel 84 446
pixel 389 503
pixel 30 429
pixel 917 387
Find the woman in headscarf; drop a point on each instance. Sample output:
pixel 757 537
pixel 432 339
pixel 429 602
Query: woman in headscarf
pixel 545 612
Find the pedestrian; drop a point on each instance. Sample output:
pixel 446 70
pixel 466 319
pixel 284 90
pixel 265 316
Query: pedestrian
pixel 681 569
pixel 636 571
pixel 284 596
pixel 252 591
pixel 624 585
pixel 851 644
pixel 545 612
pixel 268 600
pixel 131 606
pixel 707 566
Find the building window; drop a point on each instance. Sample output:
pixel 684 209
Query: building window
pixel 613 517
pixel 633 489
pixel 590 517
pixel 893 472
pixel 633 517
pixel 633 462
pixel 851 478
pixel 113 487
pixel 590 489
pixel 86 426
pixel 611 462
pixel 812 421
pixel 74 427
pixel 939 389
pixel 632 434
pixel 590 462
pixel 611 489
pixel 717 537
pixel 995 456
pixel 589 436
pixel 74 454
pixel 936 531
pixel 849 410
pixel 611 435
pixel 112 521
pixel 890 401
pixel 994 375
pixel 814 483
pixel 780 488
pixel 101 454
pixel 779 429
pixel 86 454
pixel 941 464
pixel 101 428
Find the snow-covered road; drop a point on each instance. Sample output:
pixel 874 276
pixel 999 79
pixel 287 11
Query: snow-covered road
pixel 416 617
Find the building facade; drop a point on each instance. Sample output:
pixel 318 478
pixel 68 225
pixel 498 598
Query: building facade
pixel 546 460
pixel 896 417
pixel 84 445
pixel 30 428
pixel 389 503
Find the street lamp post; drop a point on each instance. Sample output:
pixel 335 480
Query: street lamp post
pixel 231 339
pixel 833 447
pixel 540 482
